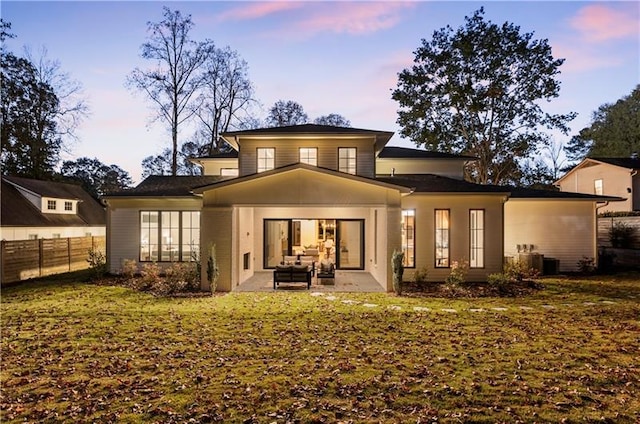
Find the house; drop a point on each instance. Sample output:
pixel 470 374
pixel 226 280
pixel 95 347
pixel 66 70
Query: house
pixel 342 194
pixel 609 177
pixel 34 209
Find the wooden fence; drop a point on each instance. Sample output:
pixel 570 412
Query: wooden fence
pixel 605 224
pixel 24 259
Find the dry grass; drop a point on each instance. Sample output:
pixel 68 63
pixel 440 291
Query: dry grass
pixel 78 352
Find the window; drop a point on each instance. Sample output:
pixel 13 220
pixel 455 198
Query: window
pixel 408 237
pixel 169 235
pixel 347 160
pixel 266 158
pixel 68 206
pixel 51 205
pixel 190 236
pixel 442 238
pixel 309 155
pixel 476 238
pixel 597 187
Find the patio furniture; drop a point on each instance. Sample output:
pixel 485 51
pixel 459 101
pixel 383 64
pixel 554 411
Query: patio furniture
pixel 291 274
pixel 326 272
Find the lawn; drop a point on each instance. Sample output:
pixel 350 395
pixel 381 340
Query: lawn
pixel 78 352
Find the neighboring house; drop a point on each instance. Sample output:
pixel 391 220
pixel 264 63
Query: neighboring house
pixel 609 177
pixel 341 193
pixel 34 209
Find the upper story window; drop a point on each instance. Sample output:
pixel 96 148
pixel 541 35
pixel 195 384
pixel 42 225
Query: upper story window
pixel 51 205
pixel 309 155
pixel 597 187
pixel 266 158
pixel 347 160
pixel 68 206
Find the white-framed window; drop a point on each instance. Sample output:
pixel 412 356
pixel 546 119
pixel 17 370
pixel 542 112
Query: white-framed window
pixel 442 229
pixel 476 238
pixel 347 160
pixel 309 155
pixel 266 158
pixel 51 205
pixel 68 206
pixel 169 236
pixel 597 187
pixel 409 237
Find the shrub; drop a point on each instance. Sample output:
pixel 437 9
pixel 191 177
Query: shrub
pixel 129 268
pixel 420 276
pixel 97 262
pixel 518 271
pixel 500 282
pixel 181 276
pixel 458 273
pixel 397 269
pixel 587 265
pixel 213 272
pixel 621 235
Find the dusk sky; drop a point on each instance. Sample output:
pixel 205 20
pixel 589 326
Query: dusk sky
pixel 331 57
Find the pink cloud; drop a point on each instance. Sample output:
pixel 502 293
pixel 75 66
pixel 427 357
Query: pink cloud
pixel 257 10
pixel 602 23
pixel 353 17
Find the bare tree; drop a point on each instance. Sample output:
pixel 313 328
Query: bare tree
pixel 226 95
pixel 284 113
pixel 72 103
pixel 333 119
pixel 173 83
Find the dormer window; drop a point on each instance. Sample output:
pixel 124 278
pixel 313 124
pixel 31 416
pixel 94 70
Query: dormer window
pixel 266 159
pixel 347 160
pixel 51 205
pixel 309 155
pixel 68 206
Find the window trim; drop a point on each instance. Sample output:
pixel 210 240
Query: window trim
pixel 355 158
pixel 308 149
pixel 435 239
pixel 258 150
pixel 180 253
pixel 51 203
pixel 413 234
pixel 482 231
pixel 68 206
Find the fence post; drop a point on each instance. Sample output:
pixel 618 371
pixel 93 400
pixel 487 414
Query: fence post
pixel 2 248
pixel 40 257
pixel 68 253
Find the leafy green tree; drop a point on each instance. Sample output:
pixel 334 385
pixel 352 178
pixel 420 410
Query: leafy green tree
pixel 333 119
pixel 284 113
pixel 173 82
pixel 478 91
pixel 96 177
pixel 614 131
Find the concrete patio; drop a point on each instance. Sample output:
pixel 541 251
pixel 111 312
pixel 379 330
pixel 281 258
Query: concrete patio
pixel 345 281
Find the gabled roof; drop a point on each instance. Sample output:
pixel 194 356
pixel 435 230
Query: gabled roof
pixel 46 188
pixel 17 211
pixel 632 164
pixel 391 152
pixel 295 166
pixel 167 186
pixel 381 137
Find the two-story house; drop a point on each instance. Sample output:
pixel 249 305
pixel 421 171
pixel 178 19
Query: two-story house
pixel 609 177
pixel 341 193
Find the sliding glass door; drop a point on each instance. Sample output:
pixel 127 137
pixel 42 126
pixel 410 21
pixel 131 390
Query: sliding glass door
pixel 350 244
pixel 277 241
